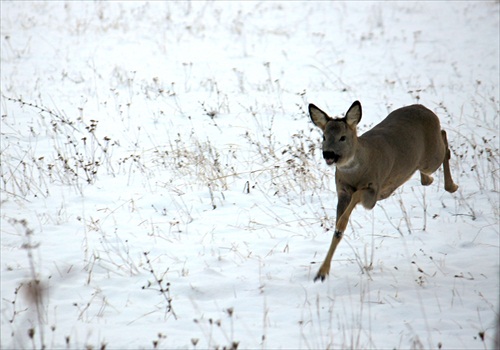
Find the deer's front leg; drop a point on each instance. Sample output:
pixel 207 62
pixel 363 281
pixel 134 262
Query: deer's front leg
pixel 344 199
pixel 344 209
pixel 366 196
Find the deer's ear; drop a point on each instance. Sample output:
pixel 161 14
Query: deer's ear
pixel 318 117
pixel 353 115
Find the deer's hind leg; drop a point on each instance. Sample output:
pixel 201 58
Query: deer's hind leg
pixel 425 179
pixel 449 185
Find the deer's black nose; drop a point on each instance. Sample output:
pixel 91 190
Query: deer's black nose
pixel 330 157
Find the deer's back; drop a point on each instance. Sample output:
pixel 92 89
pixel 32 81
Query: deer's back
pixel 408 139
pixel 407 125
pixel 412 133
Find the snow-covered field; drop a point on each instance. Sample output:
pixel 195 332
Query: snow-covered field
pixel 162 185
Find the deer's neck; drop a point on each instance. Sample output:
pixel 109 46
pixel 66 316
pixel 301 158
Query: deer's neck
pixel 357 162
pixel 352 166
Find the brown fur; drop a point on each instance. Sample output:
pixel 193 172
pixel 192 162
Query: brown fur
pixel 370 167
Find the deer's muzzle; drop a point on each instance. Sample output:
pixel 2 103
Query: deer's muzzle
pixel 330 157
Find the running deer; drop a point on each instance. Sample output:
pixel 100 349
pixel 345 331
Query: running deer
pixel 370 167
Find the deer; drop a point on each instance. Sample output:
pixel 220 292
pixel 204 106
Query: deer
pixel 370 167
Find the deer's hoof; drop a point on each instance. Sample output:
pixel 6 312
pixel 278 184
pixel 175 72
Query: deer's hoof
pixel 321 275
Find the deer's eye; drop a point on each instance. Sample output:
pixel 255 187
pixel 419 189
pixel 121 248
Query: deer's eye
pixel 342 138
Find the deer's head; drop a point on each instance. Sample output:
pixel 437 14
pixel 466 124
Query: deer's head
pixel 339 135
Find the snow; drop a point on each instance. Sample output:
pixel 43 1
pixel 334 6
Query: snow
pixel 162 184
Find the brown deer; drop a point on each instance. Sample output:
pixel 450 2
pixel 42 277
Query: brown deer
pixel 370 167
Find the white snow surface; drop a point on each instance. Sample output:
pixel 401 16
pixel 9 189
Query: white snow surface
pixel 162 185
